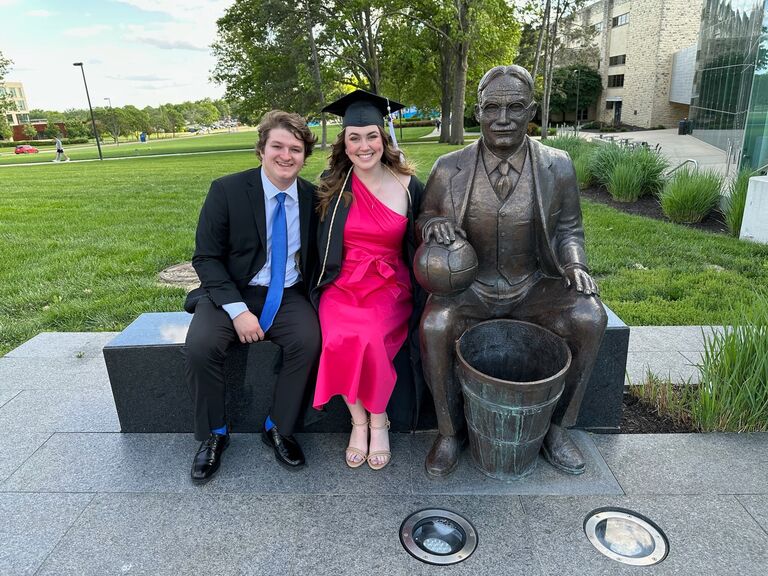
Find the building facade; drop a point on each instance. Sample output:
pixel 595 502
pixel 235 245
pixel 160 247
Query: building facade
pixel 15 90
pixel 637 40
pixel 729 108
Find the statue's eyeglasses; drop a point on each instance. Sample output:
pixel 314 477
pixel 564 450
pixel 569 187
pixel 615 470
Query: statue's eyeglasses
pixel 514 109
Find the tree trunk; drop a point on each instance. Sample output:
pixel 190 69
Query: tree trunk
pixel 459 89
pixel 549 69
pixel 544 26
pixel 446 89
pixel 461 57
pixel 316 74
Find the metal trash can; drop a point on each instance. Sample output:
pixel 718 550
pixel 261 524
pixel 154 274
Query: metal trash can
pixel 683 127
pixel 512 374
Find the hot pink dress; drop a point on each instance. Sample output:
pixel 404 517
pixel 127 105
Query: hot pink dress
pixel 364 312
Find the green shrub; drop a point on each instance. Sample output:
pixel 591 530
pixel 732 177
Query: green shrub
pixel 690 195
pixel 736 200
pixel 603 159
pixel 733 389
pixel 651 167
pixel 624 182
pixel 583 175
pixel 571 143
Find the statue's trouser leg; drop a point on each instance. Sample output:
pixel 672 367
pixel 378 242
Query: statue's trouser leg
pixel 578 319
pixel 443 321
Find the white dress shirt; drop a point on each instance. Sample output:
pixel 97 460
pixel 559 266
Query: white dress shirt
pixel 292 274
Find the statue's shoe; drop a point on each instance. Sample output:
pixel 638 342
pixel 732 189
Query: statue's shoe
pixel 559 450
pixel 444 455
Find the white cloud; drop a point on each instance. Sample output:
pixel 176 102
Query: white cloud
pixel 185 10
pixel 87 31
pixel 141 78
pixel 39 13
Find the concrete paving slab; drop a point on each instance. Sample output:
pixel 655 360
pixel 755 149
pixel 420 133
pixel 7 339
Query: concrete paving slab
pixel 60 411
pixel 8 394
pixel 161 463
pixel 63 345
pixel 545 479
pixel 687 463
pixel 14 453
pixel 32 525
pixel 284 534
pixel 53 373
pixel 666 338
pixel 757 506
pixel 708 535
pixel 671 364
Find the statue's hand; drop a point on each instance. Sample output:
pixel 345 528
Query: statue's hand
pixel 581 280
pixel 442 230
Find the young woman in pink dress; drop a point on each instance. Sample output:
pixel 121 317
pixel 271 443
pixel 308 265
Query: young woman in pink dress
pixel 368 202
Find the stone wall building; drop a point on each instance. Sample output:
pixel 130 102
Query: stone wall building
pixel 637 40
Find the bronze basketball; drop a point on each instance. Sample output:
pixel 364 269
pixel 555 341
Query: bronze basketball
pixel 445 270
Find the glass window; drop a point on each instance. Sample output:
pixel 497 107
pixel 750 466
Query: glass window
pixel 617 60
pixel 616 81
pixel 609 105
pixel 620 20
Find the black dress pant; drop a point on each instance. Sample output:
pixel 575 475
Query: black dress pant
pixel 211 333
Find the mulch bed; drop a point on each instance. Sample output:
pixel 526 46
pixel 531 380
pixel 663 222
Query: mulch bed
pixel 640 418
pixel 649 207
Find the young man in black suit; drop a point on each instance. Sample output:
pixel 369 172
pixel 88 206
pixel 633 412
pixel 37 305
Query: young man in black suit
pixel 255 255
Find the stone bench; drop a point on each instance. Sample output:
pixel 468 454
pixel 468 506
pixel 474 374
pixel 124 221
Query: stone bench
pixel 146 371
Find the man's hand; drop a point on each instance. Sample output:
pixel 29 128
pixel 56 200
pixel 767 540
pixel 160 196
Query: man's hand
pixel 581 280
pixel 442 230
pixel 248 328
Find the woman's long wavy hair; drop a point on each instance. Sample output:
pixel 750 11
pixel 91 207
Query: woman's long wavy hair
pixel 339 164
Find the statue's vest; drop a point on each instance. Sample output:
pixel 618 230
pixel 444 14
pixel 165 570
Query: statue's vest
pixel 510 220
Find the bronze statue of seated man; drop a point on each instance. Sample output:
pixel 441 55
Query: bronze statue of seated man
pixel 516 202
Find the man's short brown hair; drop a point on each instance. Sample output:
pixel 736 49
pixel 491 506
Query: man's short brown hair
pixel 290 121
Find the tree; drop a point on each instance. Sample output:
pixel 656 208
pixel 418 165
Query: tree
pixel 75 129
pixel 556 15
pixel 565 82
pixel 470 36
pixel 263 57
pixel 29 131
pixel 6 103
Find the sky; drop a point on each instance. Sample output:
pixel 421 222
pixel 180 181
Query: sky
pixel 140 52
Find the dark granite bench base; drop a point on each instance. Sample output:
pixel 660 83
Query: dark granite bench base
pixel 146 370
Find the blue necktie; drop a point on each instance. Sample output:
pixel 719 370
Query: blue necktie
pixel 277 272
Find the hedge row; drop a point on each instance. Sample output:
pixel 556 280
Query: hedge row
pixel 64 141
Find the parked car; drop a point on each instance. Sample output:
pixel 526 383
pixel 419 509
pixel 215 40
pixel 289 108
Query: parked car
pixel 25 149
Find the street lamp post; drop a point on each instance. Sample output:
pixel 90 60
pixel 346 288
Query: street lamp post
pixel 578 84
pixel 93 120
pixel 114 120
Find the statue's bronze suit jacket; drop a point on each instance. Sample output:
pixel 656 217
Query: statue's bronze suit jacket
pixel 558 213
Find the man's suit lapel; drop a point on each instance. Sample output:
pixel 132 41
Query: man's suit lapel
pixel 461 182
pixel 256 196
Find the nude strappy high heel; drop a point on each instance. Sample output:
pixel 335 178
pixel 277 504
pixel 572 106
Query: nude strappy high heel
pixel 385 453
pixel 352 450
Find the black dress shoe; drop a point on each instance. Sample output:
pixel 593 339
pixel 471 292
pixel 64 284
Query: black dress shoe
pixel 559 450
pixel 287 450
pixel 208 457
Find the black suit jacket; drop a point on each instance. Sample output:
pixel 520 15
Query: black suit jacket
pixel 230 243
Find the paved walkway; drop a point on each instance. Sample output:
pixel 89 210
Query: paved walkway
pixel 79 498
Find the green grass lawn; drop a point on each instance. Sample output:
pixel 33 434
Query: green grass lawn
pixel 245 139
pixel 81 246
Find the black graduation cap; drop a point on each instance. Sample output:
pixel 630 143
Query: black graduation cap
pixel 361 108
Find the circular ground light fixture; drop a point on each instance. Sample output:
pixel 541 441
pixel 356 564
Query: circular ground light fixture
pixel 626 536
pixel 438 536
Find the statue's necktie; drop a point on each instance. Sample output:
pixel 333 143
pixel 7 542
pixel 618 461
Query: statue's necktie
pixel 504 183
pixel 277 271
